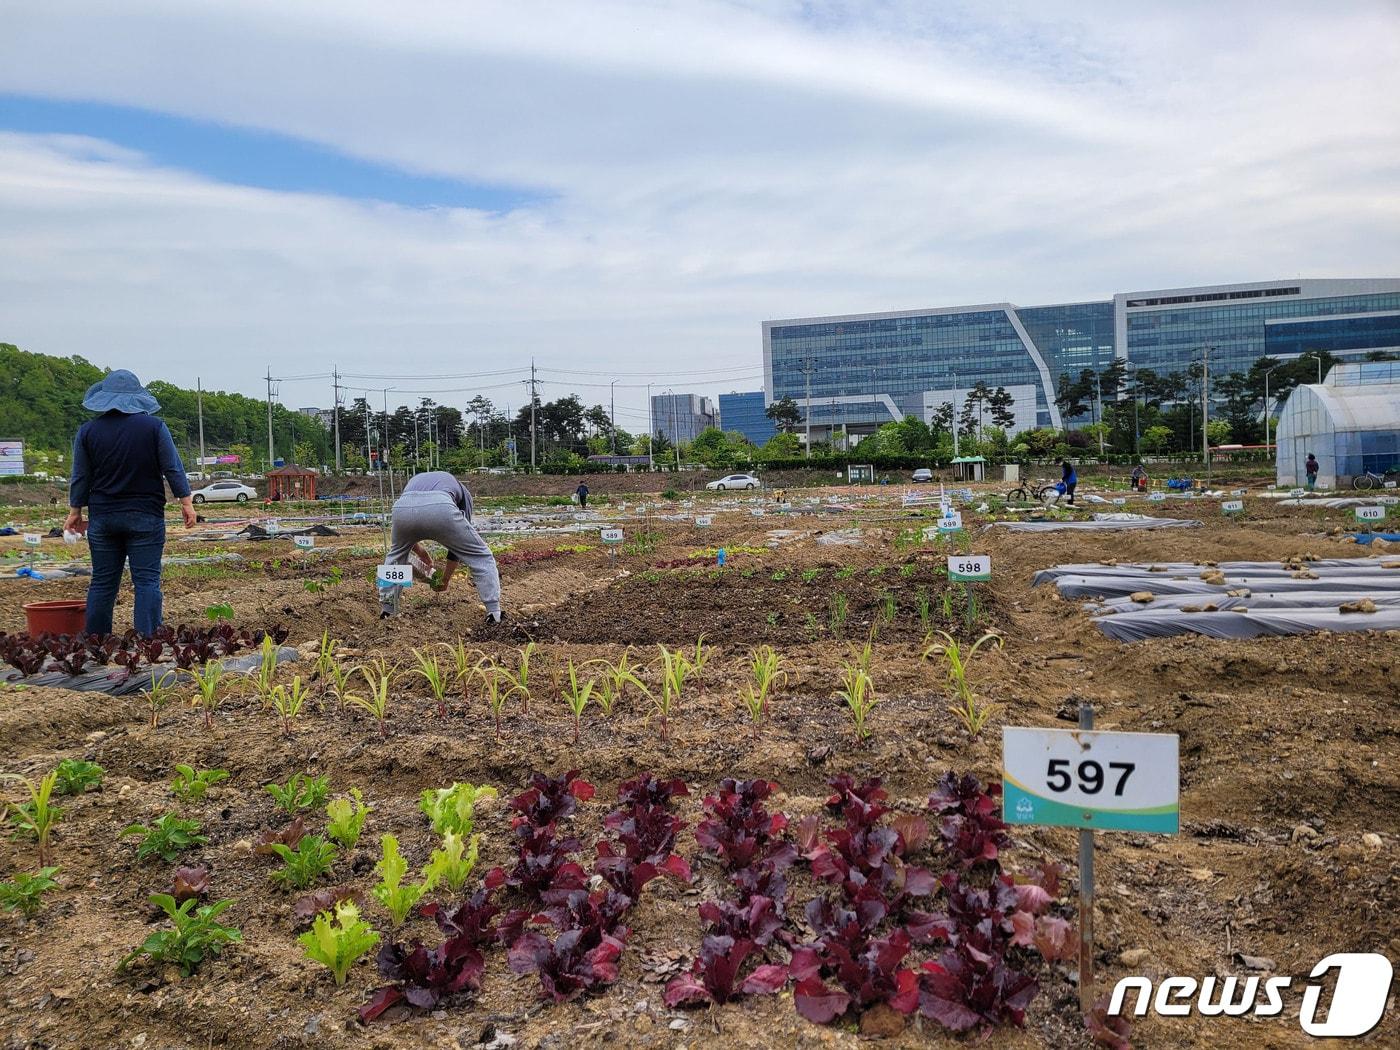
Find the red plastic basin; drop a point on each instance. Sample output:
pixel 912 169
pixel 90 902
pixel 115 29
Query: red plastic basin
pixel 58 617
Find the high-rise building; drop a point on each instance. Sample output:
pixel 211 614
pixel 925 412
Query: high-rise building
pixel 681 417
pixel 747 413
pixel 862 370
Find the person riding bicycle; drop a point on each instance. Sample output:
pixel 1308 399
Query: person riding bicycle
pixel 1310 468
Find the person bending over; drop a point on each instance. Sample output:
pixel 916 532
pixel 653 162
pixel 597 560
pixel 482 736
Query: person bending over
pixel 436 506
pixel 1069 479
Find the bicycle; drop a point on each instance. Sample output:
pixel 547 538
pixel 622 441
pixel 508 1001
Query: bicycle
pixel 1030 492
pixel 1372 480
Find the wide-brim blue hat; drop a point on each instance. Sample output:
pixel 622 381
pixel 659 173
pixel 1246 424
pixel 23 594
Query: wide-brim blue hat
pixel 120 390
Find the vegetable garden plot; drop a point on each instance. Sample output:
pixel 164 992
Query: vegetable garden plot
pixel 1236 599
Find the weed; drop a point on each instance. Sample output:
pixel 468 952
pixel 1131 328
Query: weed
pixel 808 575
pixel 75 776
pixel 25 893
pixel 302 866
pixel 190 785
pixel 947 605
pixel 922 605
pixel 345 818
pixel 887 606
pixel 37 817
pixel 222 611
pixel 300 792
pixel 196 934
pixel 876 572
pixel 771 619
pixel 845 572
pixel 811 625
pixel 838 609
pixel 908 569
pixel 779 576
pixel 166 837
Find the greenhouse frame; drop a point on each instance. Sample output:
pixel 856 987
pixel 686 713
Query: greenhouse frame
pixel 1350 422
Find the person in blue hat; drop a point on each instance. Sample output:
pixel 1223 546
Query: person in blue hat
pixel 121 462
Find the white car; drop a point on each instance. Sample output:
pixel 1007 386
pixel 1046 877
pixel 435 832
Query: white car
pixel 734 481
pixel 225 490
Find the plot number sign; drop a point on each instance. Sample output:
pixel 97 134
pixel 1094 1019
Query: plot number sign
pixel 702 521
pixel 1083 778
pixel 306 542
pixel 611 535
pixel 950 522
pixel 31 539
pixel 1362 514
pixel 394 575
pixel 969 567
pixel 1232 506
pixel 1157 497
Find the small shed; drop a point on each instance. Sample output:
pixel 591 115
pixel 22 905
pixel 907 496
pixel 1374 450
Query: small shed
pixel 969 468
pixel 291 482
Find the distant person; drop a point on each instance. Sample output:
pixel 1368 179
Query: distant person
pixel 1310 467
pixel 1138 478
pixel 1069 479
pixel 119 461
pixel 582 493
pixel 436 506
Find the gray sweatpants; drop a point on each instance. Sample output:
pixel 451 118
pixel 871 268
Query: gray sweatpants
pixel 422 516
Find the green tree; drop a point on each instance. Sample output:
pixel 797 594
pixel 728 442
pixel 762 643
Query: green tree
pixel 1156 438
pixel 785 414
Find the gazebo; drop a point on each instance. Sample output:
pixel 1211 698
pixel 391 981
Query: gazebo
pixel 291 482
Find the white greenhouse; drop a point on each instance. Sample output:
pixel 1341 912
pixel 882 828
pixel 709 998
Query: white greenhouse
pixel 1350 422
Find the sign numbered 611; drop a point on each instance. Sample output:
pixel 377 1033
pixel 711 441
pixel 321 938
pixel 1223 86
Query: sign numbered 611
pixel 1084 778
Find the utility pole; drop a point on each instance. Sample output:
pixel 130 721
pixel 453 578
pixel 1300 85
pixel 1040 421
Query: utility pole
pixel 270 456
pixel 612 414
pixel 651 429
pixel 199 400
pixel 807 371
pixel 1268 405
pixel 386 444
pixel 417 447
pixel 1098 390
pixel 1205 407
pixel 675 430
pixel 335 411
pixel 955 413
pixel 532 415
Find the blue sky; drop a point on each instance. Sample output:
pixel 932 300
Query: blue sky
pixel 452 187
pixel 249 156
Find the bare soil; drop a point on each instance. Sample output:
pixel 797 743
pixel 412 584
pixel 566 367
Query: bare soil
pixel 1288 750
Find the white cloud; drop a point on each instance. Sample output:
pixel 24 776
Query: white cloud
pixel 708 165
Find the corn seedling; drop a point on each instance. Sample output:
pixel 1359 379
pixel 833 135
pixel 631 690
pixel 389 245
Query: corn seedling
pixel 696 667
pixel 190 785
pixel 674 670
pixel 75 776
pixel 493 682
pixel 206 696
pixel 302 866
pixel 166 837
pixel 463 664
pixel 338 942
pixel 577 695
pixel 287 700
pixel 267 669
pixel 432 672
pixel 158 693
pixel 520 680
pixel 37 817
pixel 765 665
pixel 947 606
pixel 325 664
pixel 25 893
pixel 300 792
pixel 858 691
pixel 337 677
pixel 971 712
pixel 453 863
pixel 839 606
pixel 391 892
pixel 454 808
pixel 345 818
pixel 887 606
pixel 922 604
pixel 378 678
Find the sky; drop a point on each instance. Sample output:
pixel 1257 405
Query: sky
pixel 430 193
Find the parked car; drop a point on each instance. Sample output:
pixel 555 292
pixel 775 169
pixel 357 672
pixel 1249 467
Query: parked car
pixel 734 481
pixel 225 490
pixel 922 474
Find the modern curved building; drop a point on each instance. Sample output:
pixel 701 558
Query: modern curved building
pixel 866 369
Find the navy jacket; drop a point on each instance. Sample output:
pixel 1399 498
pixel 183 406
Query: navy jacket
pixel 121 462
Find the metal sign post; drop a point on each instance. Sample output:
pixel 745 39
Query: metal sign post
pixel 1079 778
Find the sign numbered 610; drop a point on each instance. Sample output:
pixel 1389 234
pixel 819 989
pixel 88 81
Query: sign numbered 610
pixel 969 568
pixel 1084 778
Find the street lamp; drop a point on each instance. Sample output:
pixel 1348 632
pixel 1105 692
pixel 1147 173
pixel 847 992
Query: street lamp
pixel 1268 405
pixel 1137 438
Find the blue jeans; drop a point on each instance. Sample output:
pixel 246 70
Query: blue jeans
pixel 114 539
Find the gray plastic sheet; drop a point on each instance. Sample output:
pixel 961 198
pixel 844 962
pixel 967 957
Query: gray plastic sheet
pixel 1099 522
pixel 112 681
pixel 1134 627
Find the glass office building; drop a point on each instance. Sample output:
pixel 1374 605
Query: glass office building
pixel 858 371
pixel 681 417
pixel 746 413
